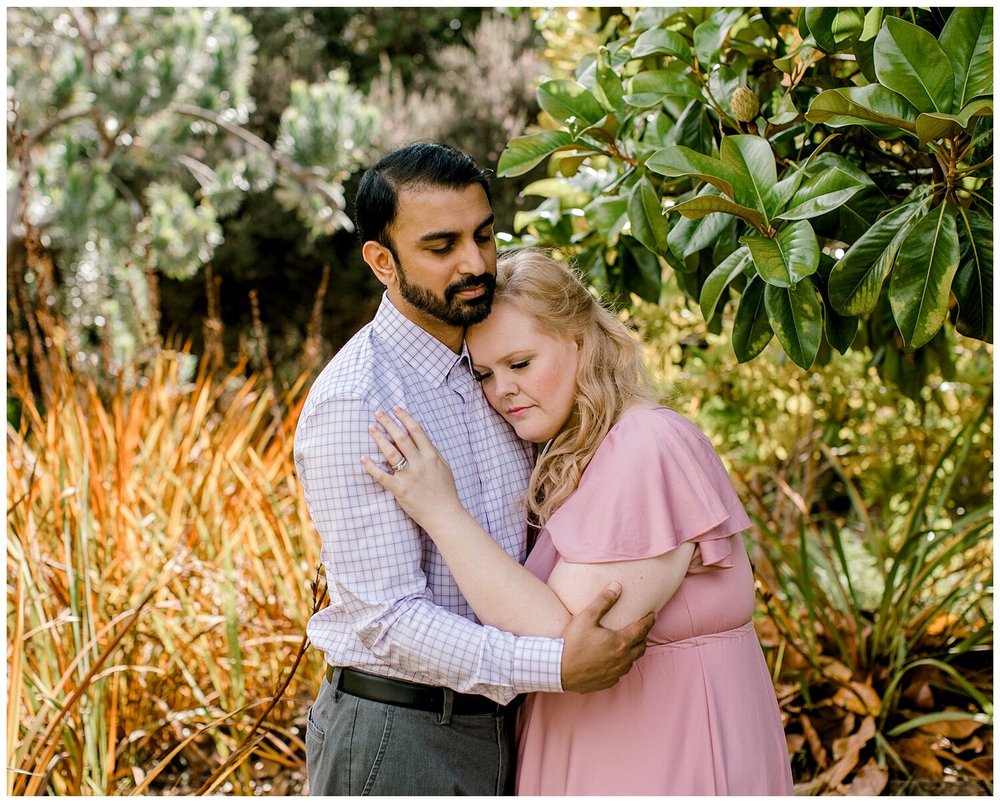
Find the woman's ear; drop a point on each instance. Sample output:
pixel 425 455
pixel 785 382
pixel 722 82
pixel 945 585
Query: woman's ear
pixel 380 260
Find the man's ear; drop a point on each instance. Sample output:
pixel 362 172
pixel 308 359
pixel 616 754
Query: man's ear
pixel 379 259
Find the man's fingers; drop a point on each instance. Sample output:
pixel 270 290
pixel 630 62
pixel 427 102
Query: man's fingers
pixel 602 603
pixel 636 632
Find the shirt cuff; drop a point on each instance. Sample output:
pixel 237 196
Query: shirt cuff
pixel 538 664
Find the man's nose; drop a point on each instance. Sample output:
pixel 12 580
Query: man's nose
pixel 473 260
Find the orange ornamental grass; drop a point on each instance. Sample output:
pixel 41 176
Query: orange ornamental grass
pixel 161 570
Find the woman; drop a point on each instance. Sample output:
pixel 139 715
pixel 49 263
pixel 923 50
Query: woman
pixel 625 491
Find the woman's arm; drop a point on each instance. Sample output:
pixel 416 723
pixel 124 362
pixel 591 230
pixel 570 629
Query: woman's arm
pixel 501 591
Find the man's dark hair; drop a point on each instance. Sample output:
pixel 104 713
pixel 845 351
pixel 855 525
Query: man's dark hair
pixel 427 164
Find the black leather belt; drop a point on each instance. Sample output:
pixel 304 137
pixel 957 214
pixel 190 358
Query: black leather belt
pixel 413 695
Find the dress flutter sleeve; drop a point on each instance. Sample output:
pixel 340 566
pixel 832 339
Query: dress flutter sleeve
pixel 654 483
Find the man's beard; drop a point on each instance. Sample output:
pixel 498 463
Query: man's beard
pixel 450 309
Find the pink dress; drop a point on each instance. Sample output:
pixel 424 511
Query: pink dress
pixel 697 714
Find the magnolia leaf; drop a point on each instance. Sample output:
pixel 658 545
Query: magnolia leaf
pixel 869 781
pixel 973 284
pixel 967 40
pixel 720 278
pixel 840 329
pixel 863 104
pixel 834 29
pixel 789 257
pixel 569 195
pixel 931 126
pixel 608 215
pixel 823 193
pixel 856 280
pixel 641 270
pixel 567 101
pixel 649 225
pixel 523 153
pixel 921 279
pixel 751 327
pixel 710 35
pixel 689 236
pixel 660 42
pixel 681 161
pixel 752 160
pixel 649 88
pixel 796 316
pixel 707 204
pixel 909 60
pixel 608 84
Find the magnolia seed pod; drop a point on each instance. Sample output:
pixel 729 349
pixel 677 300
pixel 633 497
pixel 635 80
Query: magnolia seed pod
pixel 744 104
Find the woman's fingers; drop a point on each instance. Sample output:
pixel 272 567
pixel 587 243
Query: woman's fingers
pixel 389 451
pixel 416 432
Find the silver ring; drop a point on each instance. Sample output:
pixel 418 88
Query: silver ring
pixel 399 466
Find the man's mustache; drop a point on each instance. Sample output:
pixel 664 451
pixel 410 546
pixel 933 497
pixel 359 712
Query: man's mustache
pixel 485 280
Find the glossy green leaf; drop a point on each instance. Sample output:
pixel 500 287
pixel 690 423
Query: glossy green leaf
pixel 921 279
pixel 641 270
pixel 857 278
pixel 973 284
pixel 751 159
pixel 796 316
pixel 823 193
pixel 608 215
pixel 693 129
pixel 751 327
pixel 608 84
pixel 649 225
pixel 860 105
pixel 909 61
pixel 689 236
pixel 680 161
pixel 788 258
pixel 720 278
pixel 931 126
pixel 967 40
pixel 841 330
pixel 710 35
pixel 648 89
pixel 835 29
pixel 660 42
pixel 708 204
pixel 523 153
pixel 569 195
pixel 604 130
pixel 567 101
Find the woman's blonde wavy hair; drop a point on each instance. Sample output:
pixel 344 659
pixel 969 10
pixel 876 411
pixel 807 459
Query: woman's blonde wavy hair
pixel 611 376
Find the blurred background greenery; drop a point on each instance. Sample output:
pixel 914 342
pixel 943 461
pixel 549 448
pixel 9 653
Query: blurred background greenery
pixel 180 264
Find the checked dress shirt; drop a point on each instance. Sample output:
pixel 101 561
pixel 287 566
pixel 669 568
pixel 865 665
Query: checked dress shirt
pixel 395 609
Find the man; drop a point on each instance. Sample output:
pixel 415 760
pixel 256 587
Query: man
pixel 417 696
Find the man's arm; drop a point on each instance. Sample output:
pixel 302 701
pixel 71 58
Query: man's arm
pixel 372 552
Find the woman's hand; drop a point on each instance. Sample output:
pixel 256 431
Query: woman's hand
pixel 420 478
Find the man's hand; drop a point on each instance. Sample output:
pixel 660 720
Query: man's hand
pixel 595 657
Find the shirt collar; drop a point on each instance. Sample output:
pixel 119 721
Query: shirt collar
pixel 419 348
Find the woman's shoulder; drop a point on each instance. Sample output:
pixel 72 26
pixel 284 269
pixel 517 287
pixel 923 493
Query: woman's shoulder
pixel 647 427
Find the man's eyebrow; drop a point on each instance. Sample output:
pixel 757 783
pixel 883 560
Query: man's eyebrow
pixel 452 235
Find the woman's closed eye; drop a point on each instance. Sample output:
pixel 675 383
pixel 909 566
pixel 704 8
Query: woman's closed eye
pixel 481 377
pixel 516 366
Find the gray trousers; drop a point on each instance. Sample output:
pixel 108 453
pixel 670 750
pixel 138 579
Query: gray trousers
pixel 360 747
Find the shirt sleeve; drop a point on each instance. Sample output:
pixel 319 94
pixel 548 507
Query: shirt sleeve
pixel 654 483
pixel 372 553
